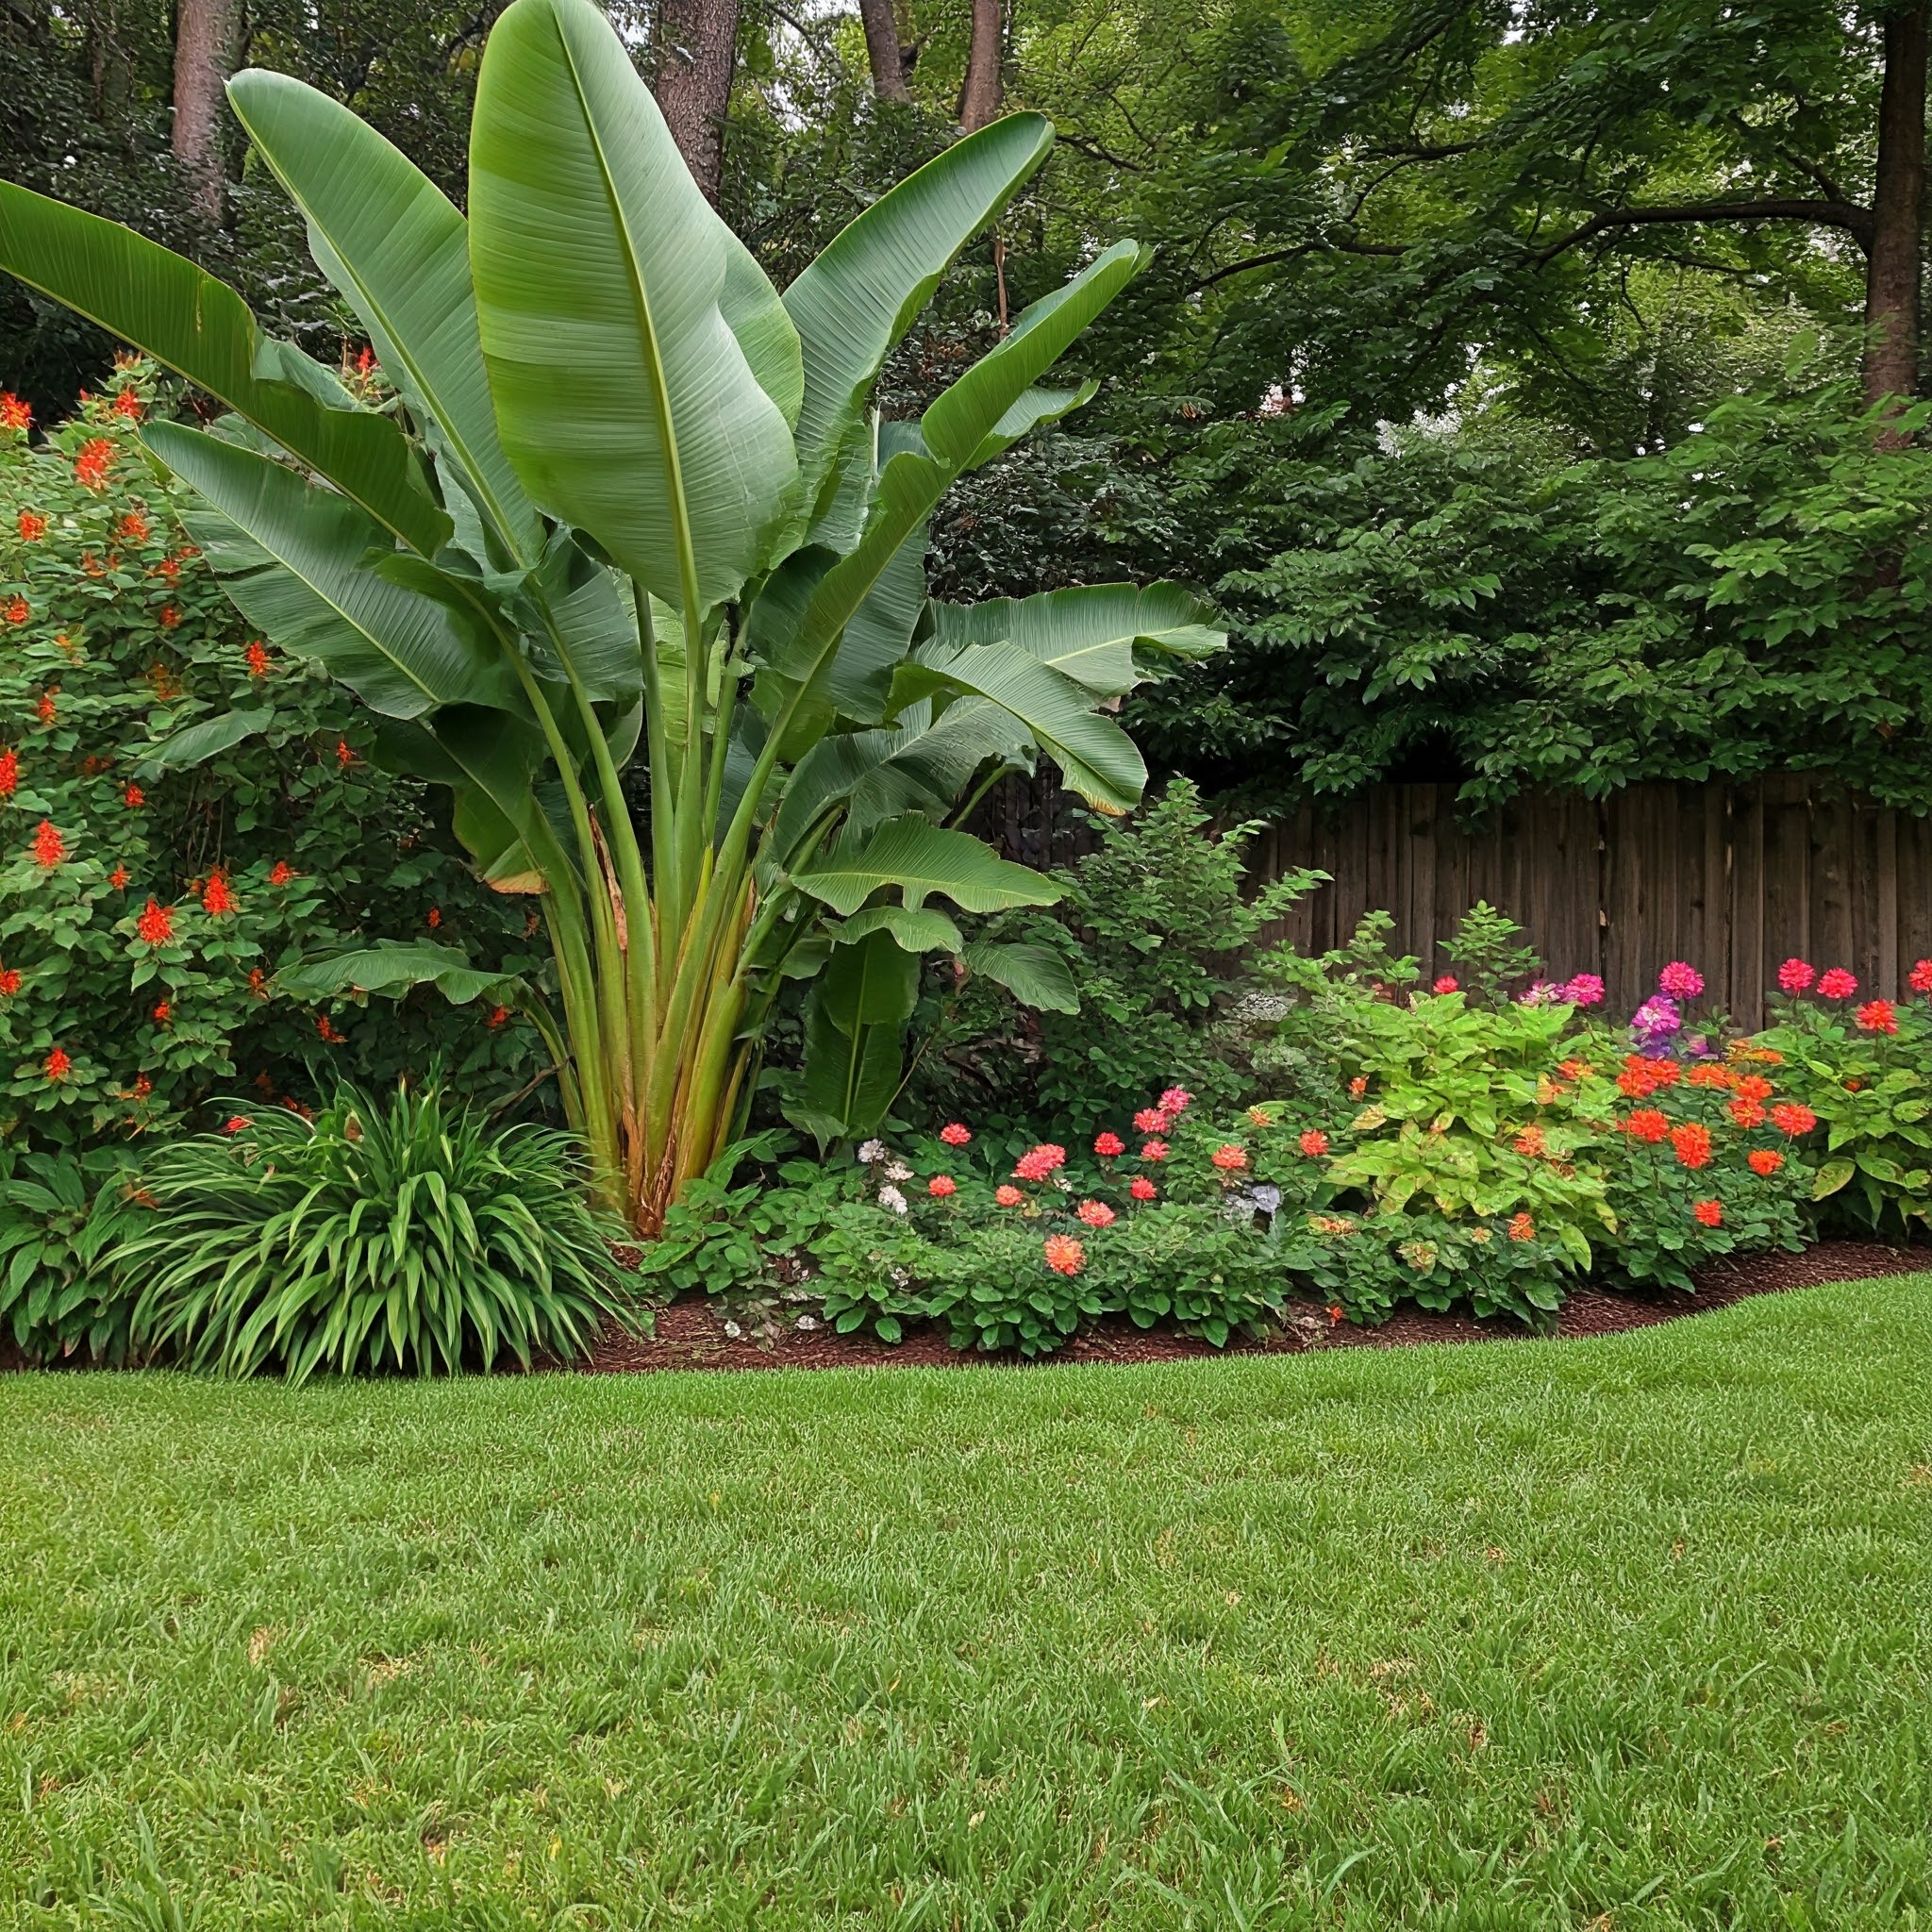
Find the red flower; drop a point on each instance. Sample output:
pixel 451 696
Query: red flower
pixel 1446 984
pixel 236 1124
pixel 118 878
pixel 1692 1144
pixel 1708 1213
pixel 281 872
pixel 1038 1162
pixel 14 414
pixel 128 405
pixel 19 610
pixel 1176 1101
pixel 327 1029
pixel 1665 1072
pixel 1836 984
pixel 156 925
pixel 435 917
pixel 1747 1113
pixel 217 899
pixel 33 527
pixel 164 1012
pixel 1764 1160
pixel 1647 1125
pixel 1154 1150
pixel 1877 1016
pixel 1792 1117
pixel 1522 1228
pixel 50 848
pixel 45 708
pixel 499 1016
pixel 9 981
pixel 1920 978
pixel 1150 1120
pixel 954 1135
pixel 1229 1159
pixel 1142 1189
pixel 9 772
pixel 134 527
pixel 1755 1087
pixel 1064 1255
pixel 134 798
pixel 1096 1213
pixel 170 617
pixel 344 757
pixel 1314 1142
pixel 1530 1144
pixel 141 1090
pixel 1795 976
pixel 941 1186
pixel 1337 1314
pixel 58 1065
pixel 95 459
pixel 257 983
pixel 1108 1145
pixel 1008 1195
pixel 1358 1086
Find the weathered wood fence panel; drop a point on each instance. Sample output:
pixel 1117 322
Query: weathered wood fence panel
pixel 1733 878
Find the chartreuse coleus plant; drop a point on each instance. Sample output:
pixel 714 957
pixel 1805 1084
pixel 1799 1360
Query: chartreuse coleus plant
pixel 632 508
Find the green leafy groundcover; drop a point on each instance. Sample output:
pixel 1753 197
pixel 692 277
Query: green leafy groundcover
pixel 1632 1632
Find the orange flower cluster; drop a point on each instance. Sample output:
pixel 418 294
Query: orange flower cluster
pixel 14 413
pixel 90 466
pixel 33 527
pixel 1064 1255
pixel 50 848
pixel 156 925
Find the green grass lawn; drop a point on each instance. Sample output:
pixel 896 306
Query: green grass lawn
pixel 1620 1634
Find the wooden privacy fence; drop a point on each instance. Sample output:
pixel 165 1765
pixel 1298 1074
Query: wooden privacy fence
pixel 1733 878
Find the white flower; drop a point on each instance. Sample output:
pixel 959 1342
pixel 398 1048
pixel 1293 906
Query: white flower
pixel 891 1197
pixel 898 1171
pixel 807 1323
pixel 732 1329
pixel 873 1150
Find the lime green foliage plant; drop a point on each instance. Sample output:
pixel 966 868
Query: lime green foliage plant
pixel 632 506
pixel 411 1235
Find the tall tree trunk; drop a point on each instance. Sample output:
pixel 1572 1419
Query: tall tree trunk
pixel 979 99
pixel 203 37
pixel 1896 264
pixel 884 51
pixel 697 53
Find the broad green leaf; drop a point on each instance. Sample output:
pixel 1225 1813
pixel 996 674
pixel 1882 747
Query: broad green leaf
pixel 863 291
pixel 1101 763
pixel 1035 975
pixel 872 982
pixel 1100 635
pixel 399 252
pixel 291 555
pixel 1831 1177
pixel 625 396
pixel 924 930
pixel 850 1079
pixel 1034 411
pixel 392 967
pixel 200 329
pixel 207 738
pixel 917 859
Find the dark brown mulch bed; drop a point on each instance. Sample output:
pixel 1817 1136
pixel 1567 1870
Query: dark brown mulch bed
pixel 690 1333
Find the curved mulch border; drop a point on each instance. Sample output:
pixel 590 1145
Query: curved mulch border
pixel 690 1333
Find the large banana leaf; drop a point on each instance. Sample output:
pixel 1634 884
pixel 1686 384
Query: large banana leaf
pixel 392 967
pixel 397 249
pixel 1100 635
pixel 854 1037
pixel 1034 411
pixel 863 292
pixel 624 395
pixel 199 327
pixel 1099 760
pixel 917 859
pixel 1035 975
pixel 291 557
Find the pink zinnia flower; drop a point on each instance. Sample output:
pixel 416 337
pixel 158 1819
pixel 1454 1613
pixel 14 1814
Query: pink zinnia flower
pixel 1836 984
pixel 1096 1213
pixel 1586 989
pixel 1795 976
pixel 1150 1120
pixel 1446 984
pixel 954 1135
pixel 1920 978
pixel 1142 1188
pixel 1176 1101
pixel 1038 1162
pixel 1108 1145
pixel 1008 1195
pixel 941 1186
pixel 1680 981
pixel 1877 1016
pixel 1154 1150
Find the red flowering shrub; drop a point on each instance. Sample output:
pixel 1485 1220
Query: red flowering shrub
pixel 128 887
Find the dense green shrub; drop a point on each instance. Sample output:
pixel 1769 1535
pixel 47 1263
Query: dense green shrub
pixel 412 1235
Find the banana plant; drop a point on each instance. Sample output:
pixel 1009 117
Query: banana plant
pixel 630 565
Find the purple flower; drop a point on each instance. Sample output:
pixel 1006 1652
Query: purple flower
pixel 1654 1023
pixel 1586 989
pixel 1682 982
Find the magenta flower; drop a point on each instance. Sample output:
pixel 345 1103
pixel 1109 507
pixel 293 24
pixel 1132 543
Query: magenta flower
pixel 1681 981
pixel 1586 989
pixel 1795 976
pixel 1836 984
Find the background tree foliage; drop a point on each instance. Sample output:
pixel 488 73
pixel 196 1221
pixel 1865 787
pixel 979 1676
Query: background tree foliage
pixel 1504 368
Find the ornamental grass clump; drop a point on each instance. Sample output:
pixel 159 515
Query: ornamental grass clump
pixel 413 1236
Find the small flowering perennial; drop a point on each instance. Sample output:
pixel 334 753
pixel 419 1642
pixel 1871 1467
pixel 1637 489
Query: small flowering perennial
pixel 9 772
pixel 1008 1195
pixel 217 899
pixel 134 527
pixel 134 798
pixel 1920 978
pixel 1755 1087
pixel 1522 1228
pixel 1690 1142
pixel 18 611
pixel 1445 984
pixel 1139 1187
pixel 1096 1213
pixel 1064 1255
pixel 9 981
pixel 1037 1163
pixel 941 1186
pixel 164 1012
pixel 1680 981
pixel 1708 1213
pixel 1585 990
pixel 1877 1016
pixel 48 708
pixel 236 1124
pixel 1647 1125
pixel 498 1016
pixel 57 1066
pixel 50 848
pixel 1836 984
pixel 1796 976
pixel 118 878
pixel 1764 1161
pixel 127 405
pixel 1229 1159
pixel 1150 1120
pixel 1530 1143
pixel 1176 1101
pixel 257 660
pixel 954 1135
pixel 1793 1118
pixel 1154 1150
pixel 1314 1143
pixel 14 413
pixel 281 872
pixel 33 527
pixel 93 462
pixel 1747 1113
pixel 1358 1086
pixel 1108 1146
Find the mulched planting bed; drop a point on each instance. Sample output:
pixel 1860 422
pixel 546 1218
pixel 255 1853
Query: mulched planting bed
pixel 691 1335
